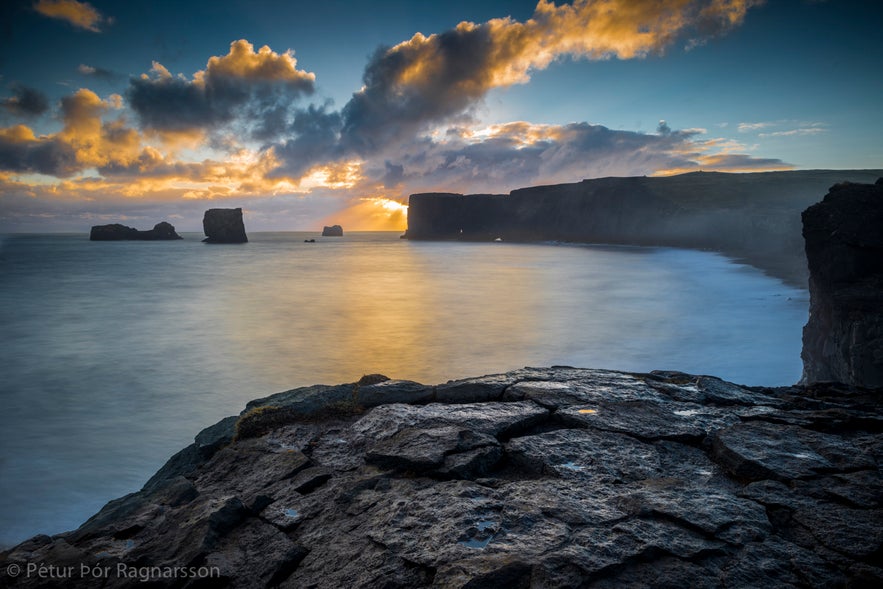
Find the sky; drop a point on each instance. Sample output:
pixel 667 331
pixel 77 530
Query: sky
pixel 313 113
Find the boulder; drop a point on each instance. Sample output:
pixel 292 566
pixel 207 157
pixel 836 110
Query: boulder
pixel 224 226
pixel 117 232
pixel 332 231
pixel 843 339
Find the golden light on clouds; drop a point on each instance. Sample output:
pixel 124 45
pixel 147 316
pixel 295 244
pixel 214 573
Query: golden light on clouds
pixel 593 29
pixel 243 62
pixel 79 14
pixel 336 175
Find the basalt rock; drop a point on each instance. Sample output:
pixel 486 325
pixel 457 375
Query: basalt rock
pixel 332 231
pixel 117 232
pixel 843 339
pixel 540 477
pixel 224 226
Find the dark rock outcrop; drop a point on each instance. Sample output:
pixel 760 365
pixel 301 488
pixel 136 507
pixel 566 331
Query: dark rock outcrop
pixel 541 477
pixel 224 226
pixel 843 339
pixel 117 232
pixel 332 231
pixel 750 216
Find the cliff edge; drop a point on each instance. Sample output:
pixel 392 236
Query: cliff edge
pixel 752 216
pixel 541 477
pixel 843 339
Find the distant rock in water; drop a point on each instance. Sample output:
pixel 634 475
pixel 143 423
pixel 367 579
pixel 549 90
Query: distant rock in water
pixel 333 231
pixel 843 339
pixel 224 226
pixel 117 232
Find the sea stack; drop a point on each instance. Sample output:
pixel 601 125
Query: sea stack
pixel 333 231
pixel 224 226
pixel 843 339
pixel 117 232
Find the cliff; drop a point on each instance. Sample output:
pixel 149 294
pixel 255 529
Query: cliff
pixel 117 232
pixel 843 339
pixel 751 216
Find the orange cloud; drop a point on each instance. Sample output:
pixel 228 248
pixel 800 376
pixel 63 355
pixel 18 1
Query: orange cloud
pixel 265 65
pixel 79 14
pixel 594 29
pixel 17 134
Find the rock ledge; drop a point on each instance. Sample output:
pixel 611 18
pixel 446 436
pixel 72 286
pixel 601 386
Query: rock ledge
pixel 541 477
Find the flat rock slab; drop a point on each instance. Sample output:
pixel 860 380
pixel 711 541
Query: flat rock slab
pixel 540 477
pixel 761 450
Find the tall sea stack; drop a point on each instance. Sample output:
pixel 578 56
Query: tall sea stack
pixel 843 339
pixel 224 226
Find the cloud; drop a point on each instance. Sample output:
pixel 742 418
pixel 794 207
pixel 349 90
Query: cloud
pixel 257 88
pixel 79 14
pixel 428 80
pixel 500 158
pixel 98 73
pixel 749 127
pixel 84 142
pixel 25 101
pixel 810 130
pixel 22 152
pixel 798 128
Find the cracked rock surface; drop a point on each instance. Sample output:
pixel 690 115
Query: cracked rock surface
pixel 540 477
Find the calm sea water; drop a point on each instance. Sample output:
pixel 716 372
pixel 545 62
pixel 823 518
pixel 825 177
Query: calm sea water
pixel 115 354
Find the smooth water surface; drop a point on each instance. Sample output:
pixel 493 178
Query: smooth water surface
pixel 114 354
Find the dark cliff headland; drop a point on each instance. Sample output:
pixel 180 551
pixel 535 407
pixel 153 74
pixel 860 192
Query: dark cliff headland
pixel 539 477
pixel 755 217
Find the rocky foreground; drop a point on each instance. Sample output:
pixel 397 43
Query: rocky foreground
pixel 550 477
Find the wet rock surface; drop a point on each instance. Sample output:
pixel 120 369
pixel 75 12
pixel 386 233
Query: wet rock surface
pixel 541 477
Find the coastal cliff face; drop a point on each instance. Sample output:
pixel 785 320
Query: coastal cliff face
pixel 117 232
pixel 843 339
pixel 541 477
pixel 750 216
pixel 224 226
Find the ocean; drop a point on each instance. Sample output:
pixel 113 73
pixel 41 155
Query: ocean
pixel 115 354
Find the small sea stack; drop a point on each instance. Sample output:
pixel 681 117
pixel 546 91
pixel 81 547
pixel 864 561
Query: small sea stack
pixel 224 226
pixel 332 231
pixel 117 232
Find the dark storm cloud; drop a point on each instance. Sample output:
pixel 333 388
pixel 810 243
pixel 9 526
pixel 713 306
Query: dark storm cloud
pixel 173 104
pixel 255 88
pixel 53 158
pixel 26 101
pixel 394 174
pixel 315 135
